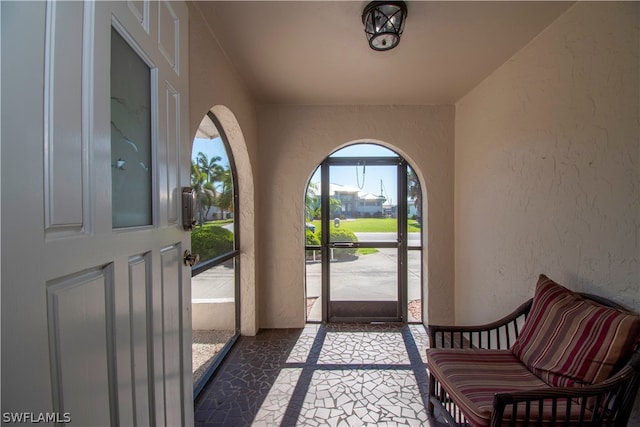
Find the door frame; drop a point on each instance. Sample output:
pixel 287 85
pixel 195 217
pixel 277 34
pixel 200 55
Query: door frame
pixel 233 256
pixel 365 311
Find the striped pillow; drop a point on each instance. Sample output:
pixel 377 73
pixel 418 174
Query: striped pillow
pixel 568 340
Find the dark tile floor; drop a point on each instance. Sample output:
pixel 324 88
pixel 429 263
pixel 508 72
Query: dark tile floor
pixel 322 375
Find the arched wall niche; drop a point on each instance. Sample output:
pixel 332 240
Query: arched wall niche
pixel 425 203
pixel 294 140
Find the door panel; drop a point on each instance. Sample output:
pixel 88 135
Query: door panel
pixel 368 278
pixel 78 335
pixel 171 261
pixel 363 276
pixel 365 288
pixel 172 153
pixel 368 199
pixel 168 34
pixel 65 189
pixel 93 319
pixel 139 292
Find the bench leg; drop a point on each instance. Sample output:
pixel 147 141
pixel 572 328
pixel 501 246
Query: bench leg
pixel 432 392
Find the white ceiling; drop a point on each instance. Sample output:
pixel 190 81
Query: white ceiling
pixel 315 52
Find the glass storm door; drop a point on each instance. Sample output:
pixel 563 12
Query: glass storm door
pixel 363 242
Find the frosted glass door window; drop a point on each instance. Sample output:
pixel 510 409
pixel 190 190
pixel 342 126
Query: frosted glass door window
pixel 131 165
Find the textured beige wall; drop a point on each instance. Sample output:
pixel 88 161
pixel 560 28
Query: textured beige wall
pixel 214 85
pixel 293 142
pixel 547 169
pixel 547 162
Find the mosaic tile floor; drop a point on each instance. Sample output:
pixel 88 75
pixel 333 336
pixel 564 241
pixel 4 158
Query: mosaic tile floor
pixel 322 375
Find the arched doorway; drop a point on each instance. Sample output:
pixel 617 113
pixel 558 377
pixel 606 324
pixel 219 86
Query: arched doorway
pixel 215 282
pixel 363 249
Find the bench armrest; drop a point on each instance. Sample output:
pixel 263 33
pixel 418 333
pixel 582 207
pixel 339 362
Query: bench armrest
pixel 589 405
pixel 499 334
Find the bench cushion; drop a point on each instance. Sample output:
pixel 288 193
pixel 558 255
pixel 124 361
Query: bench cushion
pixel 567 340
pixel 473 376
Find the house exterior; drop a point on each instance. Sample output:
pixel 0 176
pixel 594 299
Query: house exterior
pixel 355 203
pixel 534 170
pixel 352 202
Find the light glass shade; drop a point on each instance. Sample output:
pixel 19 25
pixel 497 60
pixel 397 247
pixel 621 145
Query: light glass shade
pixel 384 23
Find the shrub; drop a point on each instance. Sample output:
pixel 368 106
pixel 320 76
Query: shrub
pixel 342 235
pixel 312 238
pixel 211 241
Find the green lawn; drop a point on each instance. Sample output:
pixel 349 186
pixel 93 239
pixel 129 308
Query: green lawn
pixel 219 222
pixel 372 225
pixel 366 251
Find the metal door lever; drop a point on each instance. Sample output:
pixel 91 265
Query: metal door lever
pixel 190 259
pixel 342 245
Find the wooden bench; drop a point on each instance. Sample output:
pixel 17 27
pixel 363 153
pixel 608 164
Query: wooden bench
pixel 561 359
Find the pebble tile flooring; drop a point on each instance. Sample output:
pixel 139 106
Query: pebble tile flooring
pixel 322 375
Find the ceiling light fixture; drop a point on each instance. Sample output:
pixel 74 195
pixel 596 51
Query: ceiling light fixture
pixel 383 23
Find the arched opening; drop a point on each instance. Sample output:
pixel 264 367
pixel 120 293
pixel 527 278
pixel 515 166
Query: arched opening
pixel 215 282
pixel 364 249
pixel 249 310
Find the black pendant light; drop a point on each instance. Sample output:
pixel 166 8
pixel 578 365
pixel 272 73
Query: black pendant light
pixel 383 23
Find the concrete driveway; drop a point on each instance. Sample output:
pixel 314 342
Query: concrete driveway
pixel 370 277
pixel 367 277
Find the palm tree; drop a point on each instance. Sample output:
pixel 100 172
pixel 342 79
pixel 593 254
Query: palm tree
pixel 224 200
pixel 210 166
pixel 312 202
pixel 214 173
pixel 203 191
pixel 209 197
pixel 414 191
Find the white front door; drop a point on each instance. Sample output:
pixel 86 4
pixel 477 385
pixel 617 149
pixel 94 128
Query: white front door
pixel 95 295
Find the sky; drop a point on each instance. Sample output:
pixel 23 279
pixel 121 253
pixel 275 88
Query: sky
pixel 373 175
pixel 344 175
pixel 211 147
pixel 377 179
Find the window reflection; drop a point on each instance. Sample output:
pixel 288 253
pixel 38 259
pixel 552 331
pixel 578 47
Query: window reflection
pixel 131 166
